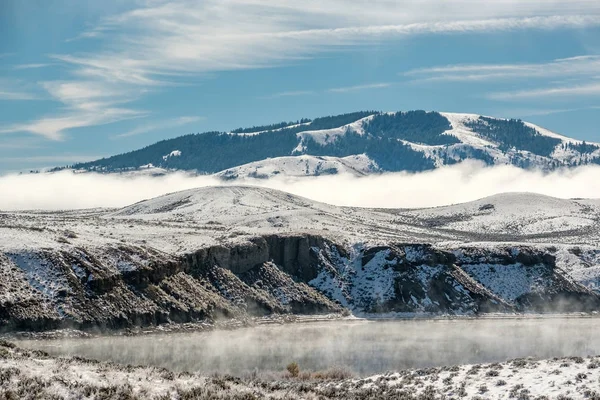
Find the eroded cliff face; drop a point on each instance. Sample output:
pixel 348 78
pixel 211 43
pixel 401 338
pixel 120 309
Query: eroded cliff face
pixel 408 279
pixel 116 288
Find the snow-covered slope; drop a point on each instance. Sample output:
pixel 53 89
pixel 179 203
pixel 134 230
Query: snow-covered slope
pixel 515 213
pixel 231 249
pixel 471 145
pixel 361 142
pixel 214 212
pixel 304 165
pixel 325 136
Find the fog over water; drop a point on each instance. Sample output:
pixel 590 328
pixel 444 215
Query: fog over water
pixel 364 347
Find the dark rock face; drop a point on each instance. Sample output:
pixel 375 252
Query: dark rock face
pixel 116 288
pixel 294 255
pixel 423 279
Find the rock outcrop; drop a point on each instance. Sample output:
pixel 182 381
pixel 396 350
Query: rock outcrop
pixel 125 286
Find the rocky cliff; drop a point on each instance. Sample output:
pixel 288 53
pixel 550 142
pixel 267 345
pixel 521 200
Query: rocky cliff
pixel 120 287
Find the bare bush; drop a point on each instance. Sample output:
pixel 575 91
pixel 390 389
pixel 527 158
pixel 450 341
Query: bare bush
pixel 293 369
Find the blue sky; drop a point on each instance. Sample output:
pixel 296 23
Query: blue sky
pixel 85 79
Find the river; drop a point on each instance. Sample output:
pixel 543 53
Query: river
pixel 364 347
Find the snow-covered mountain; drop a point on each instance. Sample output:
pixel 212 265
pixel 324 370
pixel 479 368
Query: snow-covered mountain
pixel 359 143
pixel 239 251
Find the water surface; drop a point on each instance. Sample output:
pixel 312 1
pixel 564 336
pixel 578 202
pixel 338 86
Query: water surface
pixel 365 347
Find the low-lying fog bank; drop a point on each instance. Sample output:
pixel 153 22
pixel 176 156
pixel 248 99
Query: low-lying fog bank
pixel 35 375
pixel 69 190
pixel 361 347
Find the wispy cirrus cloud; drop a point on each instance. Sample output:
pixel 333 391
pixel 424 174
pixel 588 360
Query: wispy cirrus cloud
pixel 360 87
pixel 574 67
pixel 584 90
pixel 52 128
pixel 158 43
pixel 87 103
pixel 14 89
pixel 164 38
pixel 345 89
pixel 565 77
pixel 525 112
pixel 291 93
pixel 161 125
pixel 16 95
pixel 32 66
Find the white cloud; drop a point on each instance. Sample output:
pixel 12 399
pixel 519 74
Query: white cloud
pixel 524 112
pixel 166 38
pixel 14 95
pixel 160 125
pixel 394 190
pixel 582 66
pixel 359 87
pixel 161 42
pixel 88 103
pixel 568 77
pixel 292 93
pixel 31 66
pixel 15 89
pixel 590 89
pixel 53 127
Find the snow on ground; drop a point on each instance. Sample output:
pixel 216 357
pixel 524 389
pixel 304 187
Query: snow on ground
pixel 33 374
pixel 462 132
pixel 326 136
pixel 304 165
pixel 187 220
pixel 515 213
pixel 546 132
pixel 567 378
pixel 183 222
pixel 582 263
pixel 508 281
pixel 355 285
pixel 174 153
pixel 270 130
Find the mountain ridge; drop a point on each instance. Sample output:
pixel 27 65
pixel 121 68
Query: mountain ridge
pixel 411 141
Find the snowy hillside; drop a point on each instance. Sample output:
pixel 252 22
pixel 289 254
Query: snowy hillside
pixel 304 165
pixel 359 143
pixel 515 214
pixel 191 255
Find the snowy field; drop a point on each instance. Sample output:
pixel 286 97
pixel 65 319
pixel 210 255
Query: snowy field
pixel 35 375
pixel 185 221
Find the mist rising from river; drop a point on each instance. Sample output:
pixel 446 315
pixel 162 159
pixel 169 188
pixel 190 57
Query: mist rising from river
pixel 360 346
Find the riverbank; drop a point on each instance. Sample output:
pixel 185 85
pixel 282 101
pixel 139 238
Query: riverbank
pixel 35 374
pixel 280 319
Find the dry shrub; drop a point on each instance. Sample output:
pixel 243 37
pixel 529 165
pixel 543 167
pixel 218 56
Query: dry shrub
pixel 293 369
